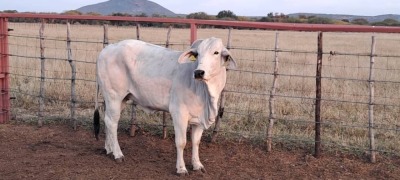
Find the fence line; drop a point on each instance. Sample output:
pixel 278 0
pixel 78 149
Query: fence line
pixel 275 97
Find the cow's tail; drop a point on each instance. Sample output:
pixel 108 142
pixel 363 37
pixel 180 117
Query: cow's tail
pixel 96 117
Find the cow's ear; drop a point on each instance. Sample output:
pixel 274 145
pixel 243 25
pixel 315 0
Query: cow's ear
pixel 188 56
pixel 229 62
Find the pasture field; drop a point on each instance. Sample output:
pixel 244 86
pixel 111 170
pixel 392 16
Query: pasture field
pixel 345 85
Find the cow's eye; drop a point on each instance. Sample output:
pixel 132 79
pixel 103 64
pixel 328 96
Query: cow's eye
pixel 216 52
pixel 195 54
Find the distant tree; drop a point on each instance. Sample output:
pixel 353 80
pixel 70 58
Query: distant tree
pixel 243 18
pixel 387 22
pixel 391 22
pixel 121 23
pixel 72 12
pixel 198 15
pixel 279 17
pixel 320 20
pixel 93 14
pixel 269 18
pixel 14 19
pixel 266 19
pixel 345 20
pixel 93 22
pixel 10 11
pixel 121 14
pixel 293 20
pixel 157 15
pixel 141 15
pixel 360 21
pixel 302 16
pixel 227 14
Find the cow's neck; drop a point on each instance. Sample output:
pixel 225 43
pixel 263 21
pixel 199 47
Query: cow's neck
pixel 213 88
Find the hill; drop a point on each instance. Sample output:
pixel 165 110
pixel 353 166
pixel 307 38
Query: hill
pixel 370 19
pixel 133 7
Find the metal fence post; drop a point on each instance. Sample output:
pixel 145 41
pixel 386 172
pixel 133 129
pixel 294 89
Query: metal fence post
pixel 4 72
pixel 372 148
pixel 318 99
pixel 193 32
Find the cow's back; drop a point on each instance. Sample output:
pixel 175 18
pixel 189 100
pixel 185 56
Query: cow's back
pixel 138 70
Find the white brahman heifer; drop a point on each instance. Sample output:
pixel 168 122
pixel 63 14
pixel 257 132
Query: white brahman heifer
pixel 186 84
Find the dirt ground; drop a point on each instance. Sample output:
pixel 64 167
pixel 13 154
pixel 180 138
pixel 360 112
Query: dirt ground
pixel 57 152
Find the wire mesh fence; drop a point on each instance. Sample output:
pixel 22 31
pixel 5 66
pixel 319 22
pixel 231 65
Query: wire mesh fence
pixel 345 78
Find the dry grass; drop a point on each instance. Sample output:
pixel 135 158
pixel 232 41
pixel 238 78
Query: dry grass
pixel 345 85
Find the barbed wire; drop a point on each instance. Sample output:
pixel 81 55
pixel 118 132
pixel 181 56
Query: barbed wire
pixel 53 78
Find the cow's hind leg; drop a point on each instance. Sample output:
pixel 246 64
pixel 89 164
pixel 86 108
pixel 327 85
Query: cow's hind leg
pixel 197 131
pixel 111 119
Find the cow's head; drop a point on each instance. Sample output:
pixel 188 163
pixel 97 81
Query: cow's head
pixel 211 56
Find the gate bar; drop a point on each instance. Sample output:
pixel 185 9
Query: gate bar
pixel 4 72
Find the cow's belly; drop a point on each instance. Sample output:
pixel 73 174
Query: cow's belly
pixel 152 94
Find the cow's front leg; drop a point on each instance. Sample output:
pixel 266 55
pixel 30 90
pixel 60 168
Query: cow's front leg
pixel 197 131
pixel 180 127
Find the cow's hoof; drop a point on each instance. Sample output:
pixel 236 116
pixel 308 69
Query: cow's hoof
pixel 120 160
pixel 183 174
pixel 203 170
pixel 104 151
pixel 198 167
pixel 110 155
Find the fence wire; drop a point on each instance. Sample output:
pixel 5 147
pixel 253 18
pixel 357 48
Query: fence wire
pixel 345 72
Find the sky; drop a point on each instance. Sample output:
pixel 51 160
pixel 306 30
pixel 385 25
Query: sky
pixel 239 7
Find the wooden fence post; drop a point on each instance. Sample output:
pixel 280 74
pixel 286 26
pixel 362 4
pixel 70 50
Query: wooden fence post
pixel 318 99
pixel 42 75
pixel 165 113
pixel 134 126
pixel 73 77
pixel 168 36
pixel 222 101
pixel 137 31
pixel 271 96
pixel 105 37
pixel 372 148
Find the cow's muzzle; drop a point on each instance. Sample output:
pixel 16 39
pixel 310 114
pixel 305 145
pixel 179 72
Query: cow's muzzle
pixel 199 74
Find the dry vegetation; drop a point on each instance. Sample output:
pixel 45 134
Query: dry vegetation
pixel 345 85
